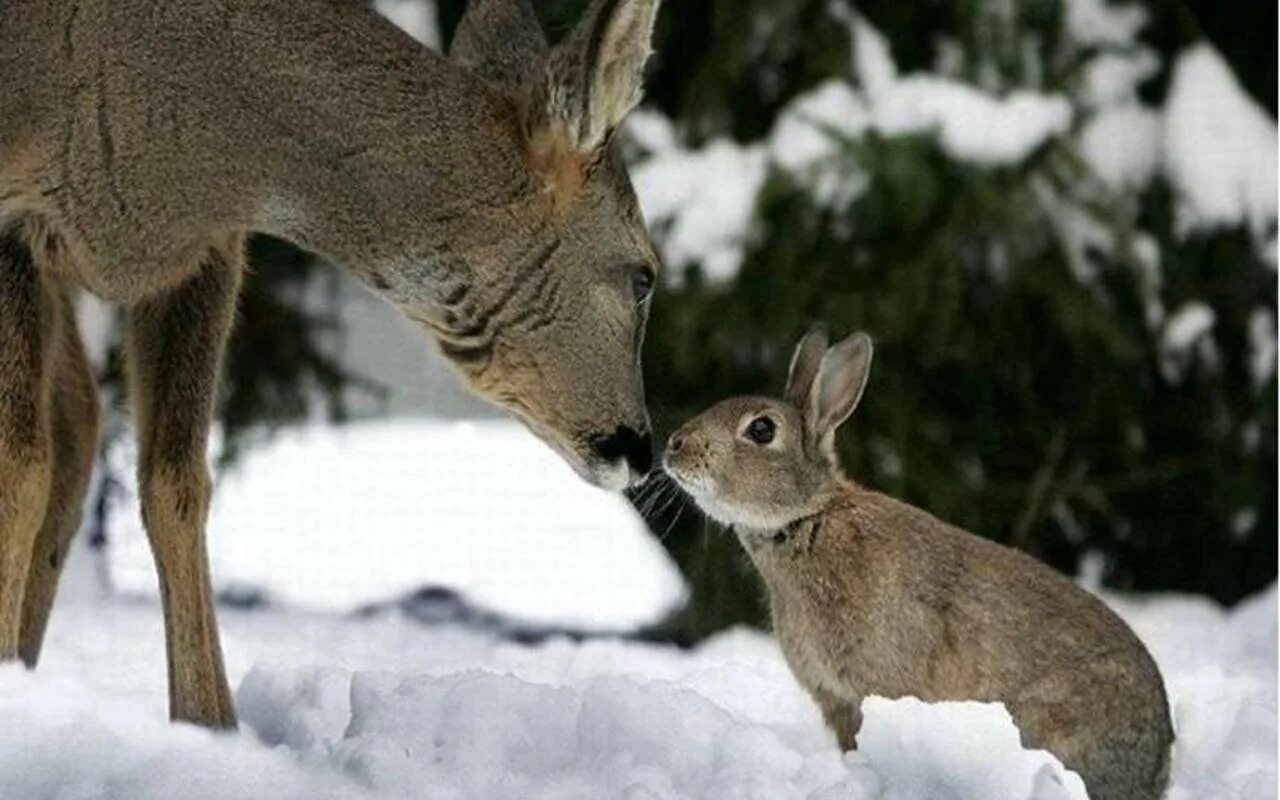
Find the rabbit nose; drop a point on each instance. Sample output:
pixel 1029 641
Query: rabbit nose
pixel 675 443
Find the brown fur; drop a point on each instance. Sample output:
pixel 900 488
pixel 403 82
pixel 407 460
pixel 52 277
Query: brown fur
pixel 563 170
pixel 873 596
pixel 141 143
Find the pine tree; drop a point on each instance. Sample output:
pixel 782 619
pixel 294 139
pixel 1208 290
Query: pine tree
pixel 1025 387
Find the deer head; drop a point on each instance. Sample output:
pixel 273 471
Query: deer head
pixel 545 312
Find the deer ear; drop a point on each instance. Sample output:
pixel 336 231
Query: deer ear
pixel 500 40
pixel 593 78
pixel 842 377
pixel 804 366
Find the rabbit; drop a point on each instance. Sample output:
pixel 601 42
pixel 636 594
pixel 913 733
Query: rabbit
pixel 871 596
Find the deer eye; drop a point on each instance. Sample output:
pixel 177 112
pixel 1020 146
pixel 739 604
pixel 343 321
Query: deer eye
pixel 642 279
pixel 761 430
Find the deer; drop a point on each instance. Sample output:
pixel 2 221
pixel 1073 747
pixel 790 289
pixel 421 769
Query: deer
pixel 482 194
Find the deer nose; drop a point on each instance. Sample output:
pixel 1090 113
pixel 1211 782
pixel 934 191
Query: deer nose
pixel 627 443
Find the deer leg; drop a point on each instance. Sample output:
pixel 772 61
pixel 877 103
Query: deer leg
pixel 175 343
pixel 26 327
pixel 74 430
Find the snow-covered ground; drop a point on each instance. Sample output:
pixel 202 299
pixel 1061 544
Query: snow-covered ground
pixel 335 518
pixel 336 704
pixel 339 706
pixel 342 705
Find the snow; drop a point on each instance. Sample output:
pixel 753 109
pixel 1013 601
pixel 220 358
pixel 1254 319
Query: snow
pixel 415 17
pixel 650 130
pixel 1216 146
pixel 1222 686
pixel 972 125
pixel 1078 230
pixel 1122 145
pixel 809 132
pixel 1113 79
pixel 1243 522
pixel 1150 277
pixel 1101 22
pixel 702 201
pixel 96 320
pixel 1186 325
pixel 1122 139
pixel 336 518
pixel 705 197
pixel 1220 147
pixel 952 743
pixel 872 59
pixel 1185 328
pixel 803 136
pixel 379 707
pixel 1262 346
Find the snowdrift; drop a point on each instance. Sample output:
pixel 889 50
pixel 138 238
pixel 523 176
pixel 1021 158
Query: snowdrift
pixel 340 707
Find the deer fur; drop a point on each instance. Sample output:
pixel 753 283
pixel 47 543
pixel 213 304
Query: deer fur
pixel 871 596
pixel 142 143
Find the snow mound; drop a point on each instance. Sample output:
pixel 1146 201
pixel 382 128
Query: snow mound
pixel 486 735
pixel 335 518
pixel 62 740
pixel 382 709
pixel 952 747
pixel 1220 672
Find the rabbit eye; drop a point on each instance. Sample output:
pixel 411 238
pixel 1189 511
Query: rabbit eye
pixel 761 430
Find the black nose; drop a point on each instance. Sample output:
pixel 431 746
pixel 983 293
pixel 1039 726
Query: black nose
pixel 625 442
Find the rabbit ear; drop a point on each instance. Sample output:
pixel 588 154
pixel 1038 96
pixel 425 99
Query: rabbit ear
pixel 804 366
pixel 842 376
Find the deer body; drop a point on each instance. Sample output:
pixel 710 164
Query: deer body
pixel 337 138
pixel 142 143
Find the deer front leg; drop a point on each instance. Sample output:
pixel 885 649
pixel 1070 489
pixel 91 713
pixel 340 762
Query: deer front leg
pixel 175 344
pixel 26 326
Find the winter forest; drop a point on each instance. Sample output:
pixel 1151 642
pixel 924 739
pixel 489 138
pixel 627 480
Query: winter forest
pixel 1057 219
